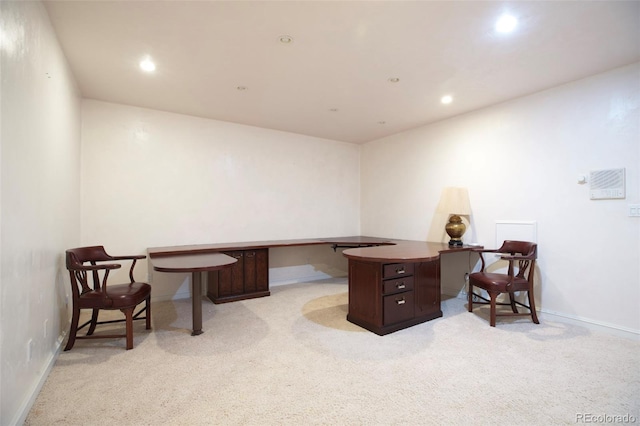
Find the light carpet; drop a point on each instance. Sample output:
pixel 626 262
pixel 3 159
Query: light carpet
pixel 292 358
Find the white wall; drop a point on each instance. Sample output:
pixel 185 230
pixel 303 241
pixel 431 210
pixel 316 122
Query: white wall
pixel 520 160
pixel 152 178
pixel 40 200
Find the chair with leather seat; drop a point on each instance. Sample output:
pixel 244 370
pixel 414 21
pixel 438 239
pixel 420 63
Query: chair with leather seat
pixel 95 294
pixel 521 256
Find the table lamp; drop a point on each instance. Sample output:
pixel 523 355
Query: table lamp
pixel 455 202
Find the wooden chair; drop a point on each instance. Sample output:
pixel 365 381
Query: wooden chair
pixel 83 262
pixel 516 279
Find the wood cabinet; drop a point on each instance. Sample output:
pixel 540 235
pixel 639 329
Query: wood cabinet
pixel 247 279
pixel 387 297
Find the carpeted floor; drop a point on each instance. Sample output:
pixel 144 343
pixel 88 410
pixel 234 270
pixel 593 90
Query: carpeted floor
pixel 292 358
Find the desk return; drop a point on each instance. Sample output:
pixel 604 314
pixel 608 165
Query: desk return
pixel 395 287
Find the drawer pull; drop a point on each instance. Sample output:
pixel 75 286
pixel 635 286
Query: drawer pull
pixel 401 301
pixel 400 271
pixel 400 286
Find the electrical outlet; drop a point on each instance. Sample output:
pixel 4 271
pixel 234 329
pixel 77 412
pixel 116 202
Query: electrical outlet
pixel 634 210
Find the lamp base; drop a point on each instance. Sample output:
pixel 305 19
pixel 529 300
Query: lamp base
pixel 455 229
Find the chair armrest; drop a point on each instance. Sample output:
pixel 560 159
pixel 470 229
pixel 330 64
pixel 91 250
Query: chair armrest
pixel 481 250
pixel 511 257
pixel 504 256
pixel 81 273
pixel 95 267
pixel 133 257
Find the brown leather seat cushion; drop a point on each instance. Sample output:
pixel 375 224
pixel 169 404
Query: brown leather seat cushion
pixel 121 295
pixel 496 282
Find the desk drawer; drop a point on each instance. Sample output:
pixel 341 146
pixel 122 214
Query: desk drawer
pixel 397 285
pixel 392 270
pixel 398 307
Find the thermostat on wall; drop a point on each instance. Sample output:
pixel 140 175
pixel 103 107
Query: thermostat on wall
pixel 607 184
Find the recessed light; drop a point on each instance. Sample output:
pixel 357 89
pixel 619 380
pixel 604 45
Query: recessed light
pixel 447 99
pixel 394 79
pixel 285 39
pixel 147 65
pixel 506 23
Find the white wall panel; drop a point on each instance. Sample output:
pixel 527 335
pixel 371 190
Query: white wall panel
pixel 520 160
pixel 40 201
pixel 151 178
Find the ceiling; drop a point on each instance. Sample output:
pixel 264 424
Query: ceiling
pixel 334 79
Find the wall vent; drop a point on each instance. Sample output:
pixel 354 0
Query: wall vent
pixel 607 184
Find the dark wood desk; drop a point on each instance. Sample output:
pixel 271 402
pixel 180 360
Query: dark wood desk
pixel 249 276
pixel 196 264
pixel 395 286
pixel 236 270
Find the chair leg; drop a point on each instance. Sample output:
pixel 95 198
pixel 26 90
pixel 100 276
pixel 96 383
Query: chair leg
pixel 94 322
pixel 470 297
pixel 128 313
pixel 532 307
pixel 492 320
pixel 73 330
pixel 512 299
pixel 148 313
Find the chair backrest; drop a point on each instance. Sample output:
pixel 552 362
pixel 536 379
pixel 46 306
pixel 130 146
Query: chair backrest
pixel 80 255
pixel 75 258
pixel 523 248
pixel 526 249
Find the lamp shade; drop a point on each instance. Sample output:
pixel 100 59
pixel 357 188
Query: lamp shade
pixel 454 201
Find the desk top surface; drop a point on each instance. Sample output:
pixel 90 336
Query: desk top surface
pixel 380 250
pixel 192 262
pixel 155 252
pixel 402 251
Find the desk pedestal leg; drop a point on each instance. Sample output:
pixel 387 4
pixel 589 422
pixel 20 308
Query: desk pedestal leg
pixel 196 301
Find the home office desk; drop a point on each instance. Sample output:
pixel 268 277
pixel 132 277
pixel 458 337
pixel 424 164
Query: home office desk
pixel 393 284
pixel 235 271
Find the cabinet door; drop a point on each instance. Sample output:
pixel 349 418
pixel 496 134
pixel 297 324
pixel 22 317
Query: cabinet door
pixel 247 278
pixel 231 280
pixel 427 288
pixel 256 271
pixel 262 270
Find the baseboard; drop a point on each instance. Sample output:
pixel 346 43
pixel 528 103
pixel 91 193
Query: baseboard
pixel 25 407
pixel 302 273
pixel 460 294
pixel 278 275
pixel 600 326
pixel 171 296
pixel 304 279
